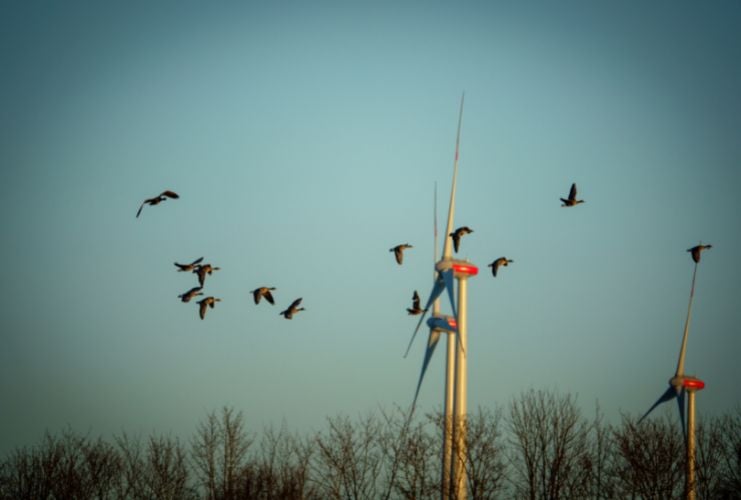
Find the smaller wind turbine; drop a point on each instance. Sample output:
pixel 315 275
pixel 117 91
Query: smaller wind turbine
pixel 680 384
pixel 439 324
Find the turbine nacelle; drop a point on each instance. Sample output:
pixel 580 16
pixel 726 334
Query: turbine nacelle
pixel 461 268
pixel 442 323
pixel 687 382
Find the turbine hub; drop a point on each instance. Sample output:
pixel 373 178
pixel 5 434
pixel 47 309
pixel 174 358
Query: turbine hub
pixel 443 323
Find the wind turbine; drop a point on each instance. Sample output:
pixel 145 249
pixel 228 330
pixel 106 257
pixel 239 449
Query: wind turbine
pixel 438 324
pixel 446 271
pixel 678 385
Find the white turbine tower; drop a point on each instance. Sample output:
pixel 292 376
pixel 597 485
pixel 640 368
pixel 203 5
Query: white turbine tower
pixel 447 270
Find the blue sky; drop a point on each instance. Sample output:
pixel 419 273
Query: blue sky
pixel 305 141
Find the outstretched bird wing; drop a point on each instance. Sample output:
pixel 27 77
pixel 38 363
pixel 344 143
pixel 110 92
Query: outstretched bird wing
pixel 140 209
pixel 572 192
pixel 495 266
pixel 201 272
pixel 170 194
pixel 203 306
pixel 269 297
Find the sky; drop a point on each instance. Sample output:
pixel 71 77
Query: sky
pixel 305 140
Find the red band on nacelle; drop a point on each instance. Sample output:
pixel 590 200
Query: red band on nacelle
pixel 693 383
pixel 469 269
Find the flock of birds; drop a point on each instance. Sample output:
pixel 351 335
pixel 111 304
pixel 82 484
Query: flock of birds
pixel 200 270
pixel 203 270
pixel 456 236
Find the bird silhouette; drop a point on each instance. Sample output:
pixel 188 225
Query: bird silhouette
pixel 501 261
pixel 292 309
pixel 190 294
pixel 399 252
pixel 204 304
pixel 261 292
pixel 457 234
pixel 157 199
pixel 188 267
pixel 416 308
pixel 202 270
pixel 697 250
pixel 571 200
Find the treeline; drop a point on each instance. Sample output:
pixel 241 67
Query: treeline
pixel 540 447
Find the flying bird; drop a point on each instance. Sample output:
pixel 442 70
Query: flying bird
pixel 292 309
pixel 190 294
pixel 457 234
pixel 202 269
pixel 399 251
pixel 501 261
pixel 188 267
pixel 416 308
pixel 157 199
pixel 697 250
pixel 204 304
pixel 571 200
pixel 261 292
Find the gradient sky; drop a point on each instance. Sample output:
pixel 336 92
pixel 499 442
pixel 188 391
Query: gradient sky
pixel 305 139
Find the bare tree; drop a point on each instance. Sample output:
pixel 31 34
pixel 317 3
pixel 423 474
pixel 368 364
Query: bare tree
pixel 597 463
pixel 709 457
pixel 649 458
pixel 132 467
pixel 158 470
pixel 204 449
pixel 408 455
pixel 730 425
pixel 549 443
pixel 281 471
pixel 235 443
pixel 348 462
pixel 219 453
pixel 416 455
pixel 21 477
pixel 65 466
pixel 485 458
pixel 166 470
pixel 102 469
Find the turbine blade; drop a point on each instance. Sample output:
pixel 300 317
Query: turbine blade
pixel 670 393
pixel 448 279
pixel 437 289
pixel 682 407
pixel 436 303
pixel 447 252
pixel 432 341
pixel 683 349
